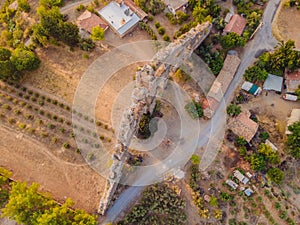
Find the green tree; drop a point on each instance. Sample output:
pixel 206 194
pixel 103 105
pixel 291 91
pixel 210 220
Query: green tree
pixel 232 40
pixel 264 135
pixel 225 197
pixel 240 141
pixel 255 73
pixel 25 205
pixel 69 33
pixel 293 141
pixel 8 70
pixel 195 159
pixel 24 59
pixel 257 162
pixel 4 54
pixel 24 5
pixel 233 110
pixel 213 201
pixel 276 175
pixel 51 3
pixel 97 33
pixel 271 155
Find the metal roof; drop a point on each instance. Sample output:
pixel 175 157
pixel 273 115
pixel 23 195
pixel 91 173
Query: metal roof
pixel 273 83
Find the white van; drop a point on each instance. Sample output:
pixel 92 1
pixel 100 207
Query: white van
pixel 290 97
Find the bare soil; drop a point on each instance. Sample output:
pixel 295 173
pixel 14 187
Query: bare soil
pixel 286 24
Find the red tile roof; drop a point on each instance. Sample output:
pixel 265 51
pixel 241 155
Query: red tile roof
pixel 88 20
pixel 243 126
pixel 237 25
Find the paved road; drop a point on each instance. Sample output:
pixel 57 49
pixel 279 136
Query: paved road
pixel 72 6
pixel 263 40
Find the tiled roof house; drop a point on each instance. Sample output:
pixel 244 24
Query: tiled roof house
pixel 236 24
pixel 87 21
pixel 243 126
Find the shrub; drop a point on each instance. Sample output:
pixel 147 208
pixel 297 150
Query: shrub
pixel 233 110
pixel 194 109
pixel 6 106
pixel 22 126
pixel 51 126
pixel 150 18
pixel 161 30
pixel 44 134
pixel 166 37
pixel 157 24
pixel 80 8
pixel 195 159
pixel 148 29
pixel 54 140
pixel 66 145
pixel 264 135
pixel 17 111
pixel 40 102
pixel 29 116
pixel 11 120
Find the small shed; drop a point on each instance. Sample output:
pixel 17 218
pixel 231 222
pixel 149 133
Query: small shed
pixel 268 142
pixel 251 88
pixel 273 83
pixel 232 184
pixel 248 192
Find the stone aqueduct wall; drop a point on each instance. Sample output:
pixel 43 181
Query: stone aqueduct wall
pixel 143 99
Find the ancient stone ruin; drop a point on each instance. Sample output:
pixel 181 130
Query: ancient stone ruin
pixel 143 99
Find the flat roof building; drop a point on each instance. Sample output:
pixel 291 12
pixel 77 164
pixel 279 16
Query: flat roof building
pixel 119 17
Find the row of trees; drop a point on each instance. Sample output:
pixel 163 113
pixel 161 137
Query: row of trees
pixel 27 206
